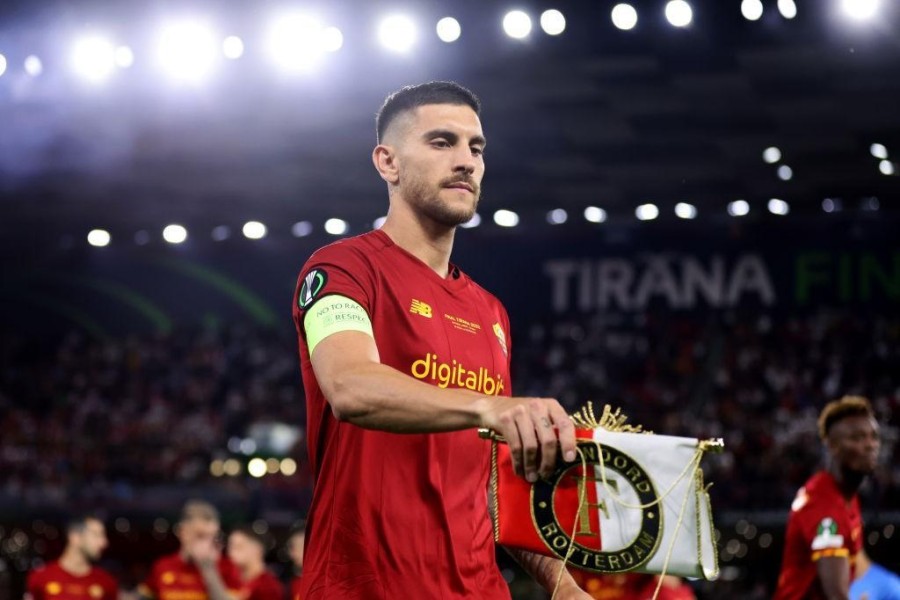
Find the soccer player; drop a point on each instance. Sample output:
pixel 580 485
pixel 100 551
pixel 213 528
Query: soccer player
pixel 403 357
pixel 295 543
pixel 247 550
pixel 73 576
pixel 824 531
pixel 198 571
pixel 873 582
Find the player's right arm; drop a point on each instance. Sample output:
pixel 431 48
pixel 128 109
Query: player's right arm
pixel 363 391
pixel 834 576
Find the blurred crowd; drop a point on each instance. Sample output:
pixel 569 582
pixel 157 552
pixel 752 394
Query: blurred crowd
pixel 98 420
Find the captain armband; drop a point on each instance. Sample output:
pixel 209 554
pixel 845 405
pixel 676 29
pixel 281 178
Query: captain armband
pixel 333 314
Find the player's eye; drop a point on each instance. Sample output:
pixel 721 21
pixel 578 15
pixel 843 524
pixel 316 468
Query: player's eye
pixel 477 151
pixel 440 143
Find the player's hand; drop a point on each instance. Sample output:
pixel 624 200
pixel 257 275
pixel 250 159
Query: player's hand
pixel 204 553
pixel 571 591
pixel 535 429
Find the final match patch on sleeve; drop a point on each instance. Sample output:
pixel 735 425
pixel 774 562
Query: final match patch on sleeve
pixel 313 284
pixel 332 314
pixel 827 536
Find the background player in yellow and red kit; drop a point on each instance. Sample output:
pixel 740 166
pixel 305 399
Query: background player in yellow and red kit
pixel 198 571
pixel 73 576
pixel 295 543
pixel 403 357
pixel 247 550
pixel 824 531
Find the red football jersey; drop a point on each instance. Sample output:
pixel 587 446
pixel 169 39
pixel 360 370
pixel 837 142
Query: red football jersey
pixel 52 582
pixel 402 516
pixel 264 586
pixel 174 578
pixel 822 523
pixel 295 588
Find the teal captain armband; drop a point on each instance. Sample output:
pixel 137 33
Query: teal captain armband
pixel 333 314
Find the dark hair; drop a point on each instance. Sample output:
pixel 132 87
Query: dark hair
pixel 77 523
pixel 848 406
pixel 198 509
pixel 413 96
pixel 249 533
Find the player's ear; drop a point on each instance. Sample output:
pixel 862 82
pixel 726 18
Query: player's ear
pixel 384 158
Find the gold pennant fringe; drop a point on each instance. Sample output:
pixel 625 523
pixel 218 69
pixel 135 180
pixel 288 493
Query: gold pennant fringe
pixel 610 420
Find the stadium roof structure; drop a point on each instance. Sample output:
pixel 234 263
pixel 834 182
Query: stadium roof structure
pixel 592 117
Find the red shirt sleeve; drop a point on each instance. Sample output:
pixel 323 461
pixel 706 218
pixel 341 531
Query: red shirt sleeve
pixel 110 587
pixel 824 529
pixel 150 586
pixel 34 586
pixel 269 588
pixel 230 576
pixel 334 270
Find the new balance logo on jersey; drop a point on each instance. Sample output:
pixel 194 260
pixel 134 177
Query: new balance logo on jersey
pixel 417 307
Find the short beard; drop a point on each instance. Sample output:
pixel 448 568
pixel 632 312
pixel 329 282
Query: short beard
pixel 428 202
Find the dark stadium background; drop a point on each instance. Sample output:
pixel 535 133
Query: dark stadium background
pixel 136 375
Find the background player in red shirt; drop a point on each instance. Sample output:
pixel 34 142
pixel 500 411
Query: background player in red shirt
pixel 73 576
pixel 247 550
pixel 295 543
pixel 824 531
pixel 403 357
pixel 198 571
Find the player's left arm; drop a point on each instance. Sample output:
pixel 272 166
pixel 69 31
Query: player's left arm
pixel 834 576
pixel 545 571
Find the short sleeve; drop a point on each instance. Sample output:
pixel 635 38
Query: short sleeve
pixel 150 587
pixel 33 586
pixel 333 270
pixel 825 531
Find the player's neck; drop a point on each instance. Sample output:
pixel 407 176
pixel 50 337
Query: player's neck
pixel 423 238
pixel 252 571
pixel 72 561
pixel 847 481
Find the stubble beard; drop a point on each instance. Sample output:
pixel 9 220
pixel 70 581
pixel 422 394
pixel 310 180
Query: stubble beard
pixel 426 199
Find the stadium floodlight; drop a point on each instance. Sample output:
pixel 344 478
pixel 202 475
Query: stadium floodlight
pixel 624 17
pixel 860 10
pixel 98 238
pixel 831 205
pixel 124 57
pixel 778 207
pixel 679 13
pixel 295 42
pixel 785 173
pixel 187 51
pixel 397 33
pixel 301 229
pixel 517 24
pixel 221 233
pixel 506 218
pixel 683 210
pixel 557 216
pixel 378 223
pixel 886 167
pixel 254 230
pixel 771 155
pixel 233 47
pixel 2 65
pixel 878 151
pixel 93 58
pixel 787 8
pixel 256 467
pixel 646 212
pixel 448 29
pixel 738 208
pixel 288 466
pixel 336 226
pixel 594 214
pixel 33 65
pixel 175 234
pixel 553 22
pixel 752 9
pixel 475 221
pixel 332 39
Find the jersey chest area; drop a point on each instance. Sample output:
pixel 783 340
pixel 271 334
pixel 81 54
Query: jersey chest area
pixel 445 338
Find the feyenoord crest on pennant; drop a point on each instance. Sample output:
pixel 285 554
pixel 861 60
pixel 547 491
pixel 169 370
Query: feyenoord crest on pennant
pixel 631 502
